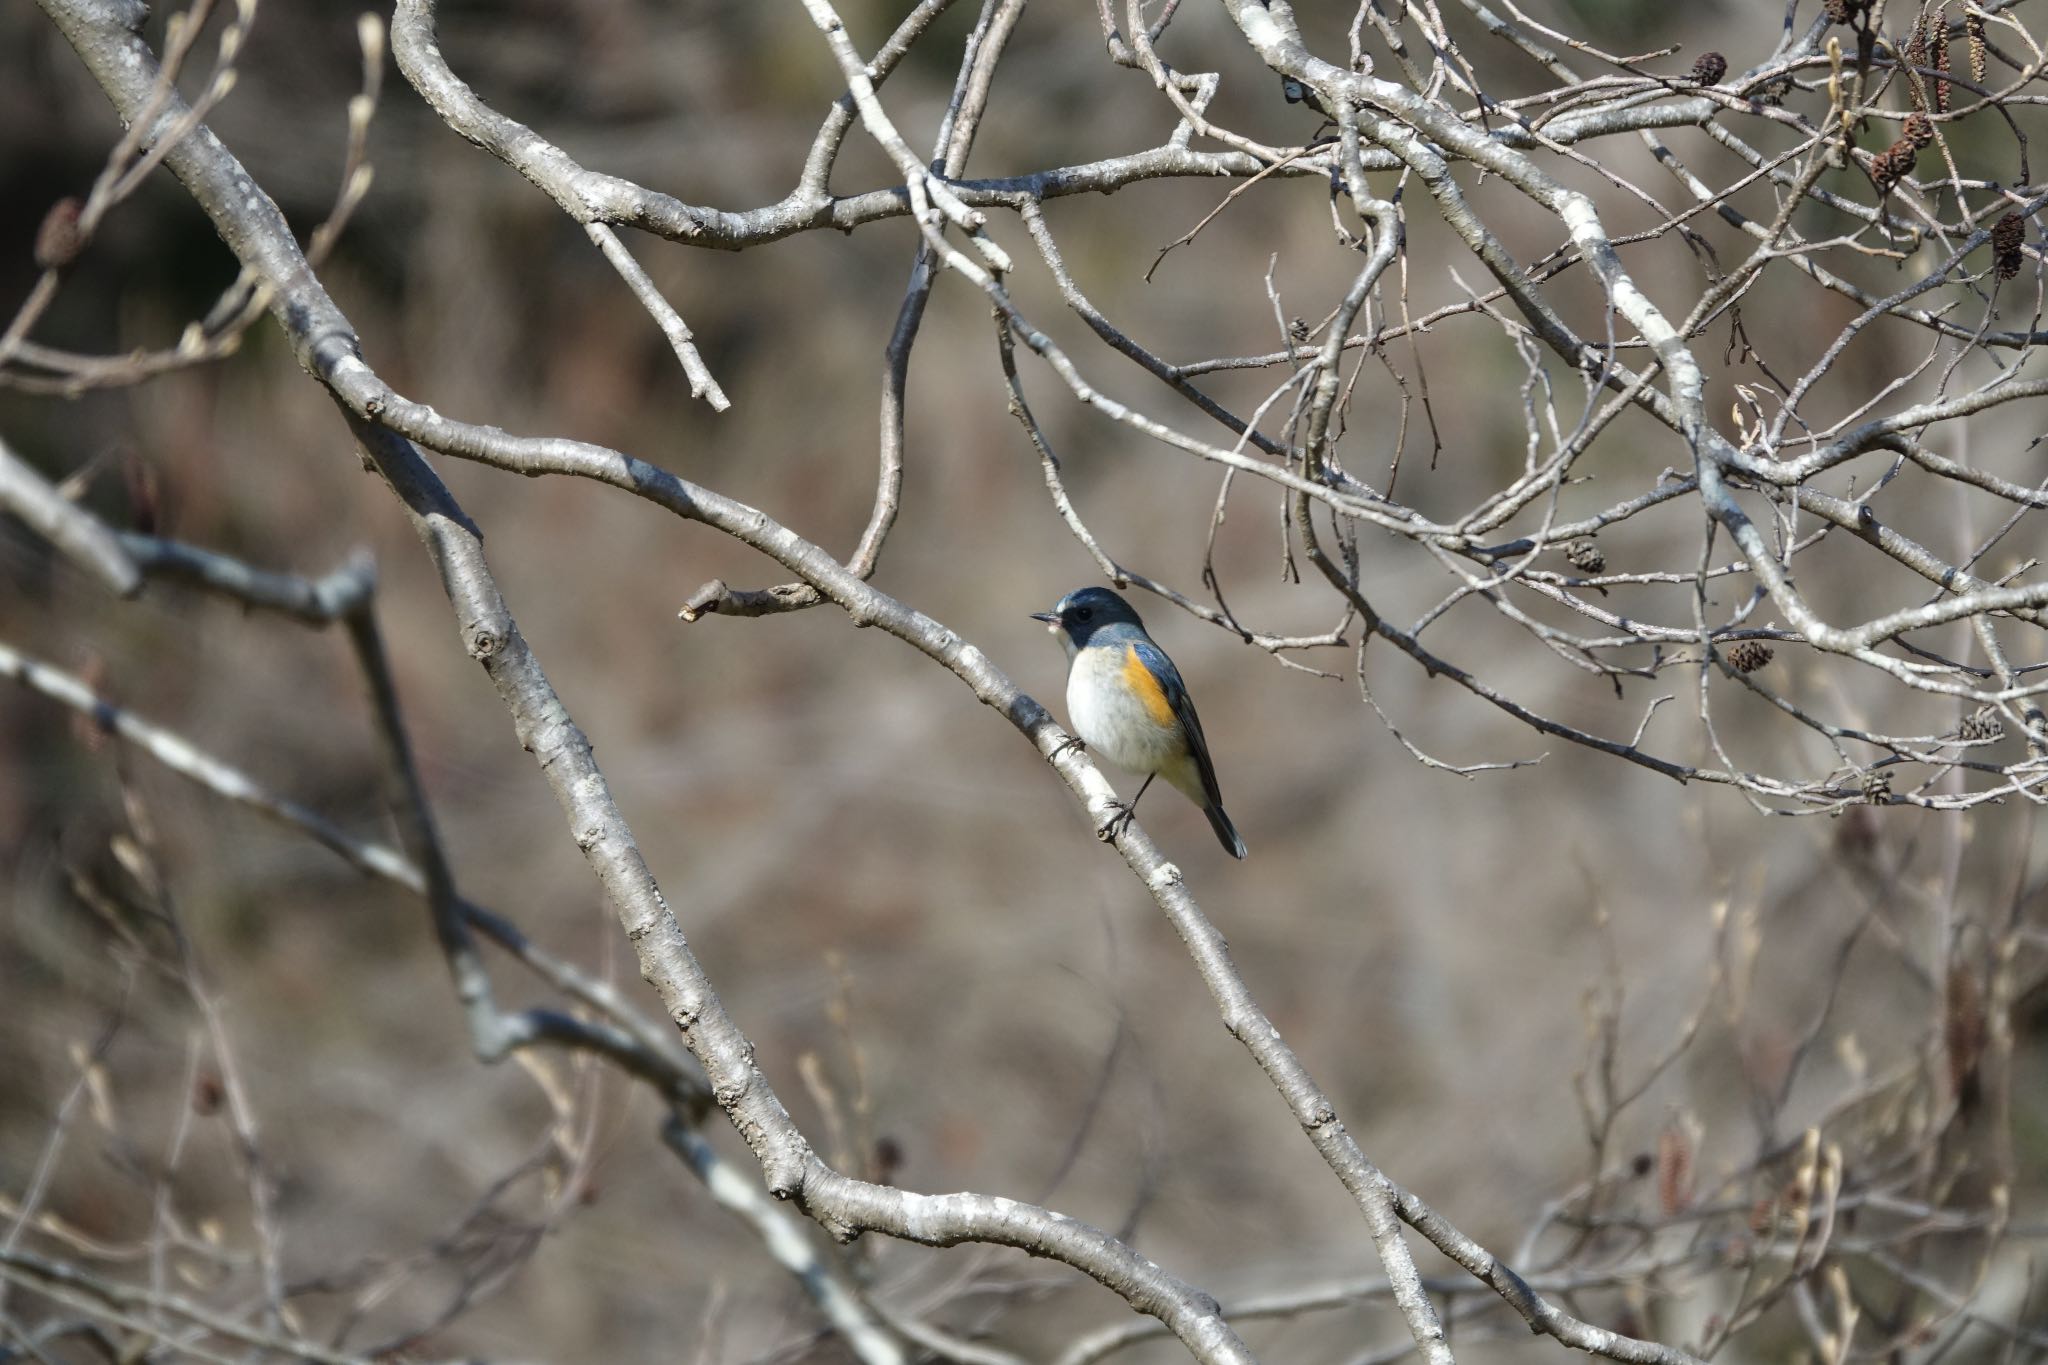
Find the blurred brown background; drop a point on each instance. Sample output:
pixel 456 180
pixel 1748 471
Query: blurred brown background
pixel 803 789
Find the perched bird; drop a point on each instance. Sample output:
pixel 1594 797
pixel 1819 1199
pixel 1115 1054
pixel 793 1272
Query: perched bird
pixel 1294 92
pixel 1127 703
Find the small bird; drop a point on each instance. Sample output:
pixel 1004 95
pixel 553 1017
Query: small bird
pixel 1294 92
pixel 1127 702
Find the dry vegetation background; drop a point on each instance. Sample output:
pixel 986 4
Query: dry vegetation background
pixel 896 901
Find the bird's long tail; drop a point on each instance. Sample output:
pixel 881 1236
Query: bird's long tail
pixel 1225 831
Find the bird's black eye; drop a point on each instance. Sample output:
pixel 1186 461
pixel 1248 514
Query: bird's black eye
pixel 1083 613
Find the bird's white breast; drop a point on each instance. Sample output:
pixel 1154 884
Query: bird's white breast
pixel 1112 720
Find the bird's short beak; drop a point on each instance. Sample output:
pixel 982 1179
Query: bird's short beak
pixel 1051 618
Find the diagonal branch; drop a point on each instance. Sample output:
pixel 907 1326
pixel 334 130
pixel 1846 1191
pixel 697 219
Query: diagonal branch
pixel 324 341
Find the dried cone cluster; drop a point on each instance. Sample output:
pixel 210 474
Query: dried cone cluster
pixel 1892 165
pixel 1984 724
pixel 1710 68
pixel 1585 556
pixel 1747 656
pixel 2008 235
pixel 1842 11
pixel 1919 130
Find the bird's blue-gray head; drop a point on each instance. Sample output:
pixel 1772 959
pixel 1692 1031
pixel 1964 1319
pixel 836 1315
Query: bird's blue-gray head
pixel 1078 616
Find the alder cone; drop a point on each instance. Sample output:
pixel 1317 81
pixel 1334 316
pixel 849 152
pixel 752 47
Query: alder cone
pixel 2008 235
pixel 1892 165
pixel 1747 656
pixel 1586 556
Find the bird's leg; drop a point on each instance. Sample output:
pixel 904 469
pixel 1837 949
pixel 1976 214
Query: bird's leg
pixel 1116 823
pixel 1070 742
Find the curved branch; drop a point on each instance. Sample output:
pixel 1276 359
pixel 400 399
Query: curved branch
pixel 105 37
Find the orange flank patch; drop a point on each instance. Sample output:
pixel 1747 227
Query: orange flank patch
pixel 1146 688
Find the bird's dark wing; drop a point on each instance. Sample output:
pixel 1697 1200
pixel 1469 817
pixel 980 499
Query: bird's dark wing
pixel 1176 692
